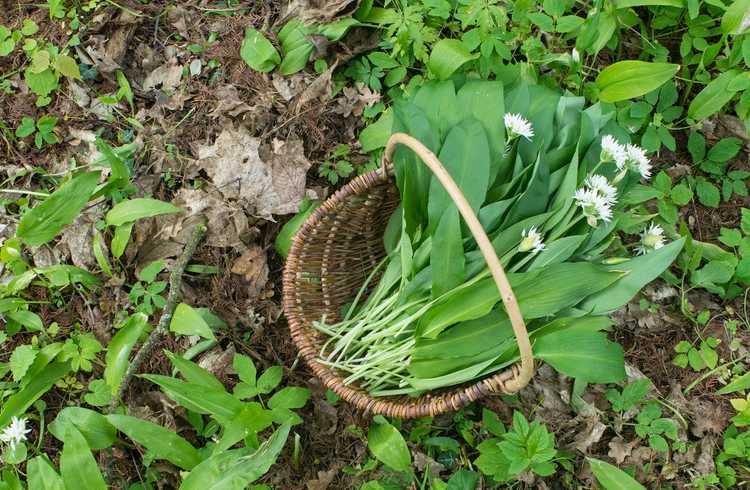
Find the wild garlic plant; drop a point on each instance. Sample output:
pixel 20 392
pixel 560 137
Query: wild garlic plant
pixel 546 186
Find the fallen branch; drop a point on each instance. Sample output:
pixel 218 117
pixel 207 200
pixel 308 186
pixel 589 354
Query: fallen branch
pixel 175 284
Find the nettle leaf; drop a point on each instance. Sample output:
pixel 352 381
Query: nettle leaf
pixel 708 194
pixel 67 66
pixel 258 52
pixel 43 222
pixel 21 360
pixel 628 79
pixel 745 221
pixel 730 237
pixel 681 194
pixel 290 397
pixel 270 379
pixel 725 149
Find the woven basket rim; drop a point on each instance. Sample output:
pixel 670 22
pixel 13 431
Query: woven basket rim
pixel 428 404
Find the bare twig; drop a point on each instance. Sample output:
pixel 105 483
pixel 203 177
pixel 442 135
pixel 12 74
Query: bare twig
pixel 175 284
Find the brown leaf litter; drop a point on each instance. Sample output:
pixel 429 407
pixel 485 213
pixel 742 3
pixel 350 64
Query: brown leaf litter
pixel 264 186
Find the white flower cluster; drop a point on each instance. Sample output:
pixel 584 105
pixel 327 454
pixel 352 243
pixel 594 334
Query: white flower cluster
pixel 15 432
pixel 596 199
pixel 531 240
pixel 516 125
pixel 652 239
pixel 627 158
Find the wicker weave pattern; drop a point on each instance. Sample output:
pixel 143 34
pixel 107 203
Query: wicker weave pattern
pixel 330 258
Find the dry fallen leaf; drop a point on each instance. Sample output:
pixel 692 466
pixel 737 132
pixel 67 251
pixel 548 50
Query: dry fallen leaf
pixel 590 435
pixel 619 450
pixel 78 238
pixel 253 268
pixel 167 76
pixel 275 186
pixel 325 478
pixel 355 99
pixel 218 361
pixel 226 221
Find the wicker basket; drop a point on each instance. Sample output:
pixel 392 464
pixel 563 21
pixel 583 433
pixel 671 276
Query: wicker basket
pixel 333 253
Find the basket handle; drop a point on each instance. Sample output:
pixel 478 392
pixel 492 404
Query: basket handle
pixel 526 370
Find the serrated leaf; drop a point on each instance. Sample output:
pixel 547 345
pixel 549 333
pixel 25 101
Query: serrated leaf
pixel 67 66
pixel 21 360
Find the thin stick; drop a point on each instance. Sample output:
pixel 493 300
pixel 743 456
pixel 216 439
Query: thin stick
pixel 175 284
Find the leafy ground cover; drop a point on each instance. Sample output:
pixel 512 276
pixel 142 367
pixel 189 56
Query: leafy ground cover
pixel 153 151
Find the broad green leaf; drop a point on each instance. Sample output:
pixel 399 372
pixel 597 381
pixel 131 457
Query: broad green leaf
pixel 193 373
pixel 582 354
pixel 117 359
pixel 161 442
pixel 77 465
pixel 270 379
pixel 187 321
pixel 99 433
pixel 485 100
pixel 121 238
pixel 67 66
pixel 258 52
pixel 447 56
pixel 739 384
pixel 197 397
pixel 623 4
pixel 135 209
pixel 41 475
pixel 290 397
pixel 447 254
pixel 639 271
pixel 612 478
pixel 16 405
pixel 557 251
pixel 295 45
pixel 388 445
pixel 733 21
pixel 628 79
pixel 27 318
pixel 100 253
pixel 236 469
pixel 40 61
pixel 539 293
pixel 715 95
pixel 43 222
